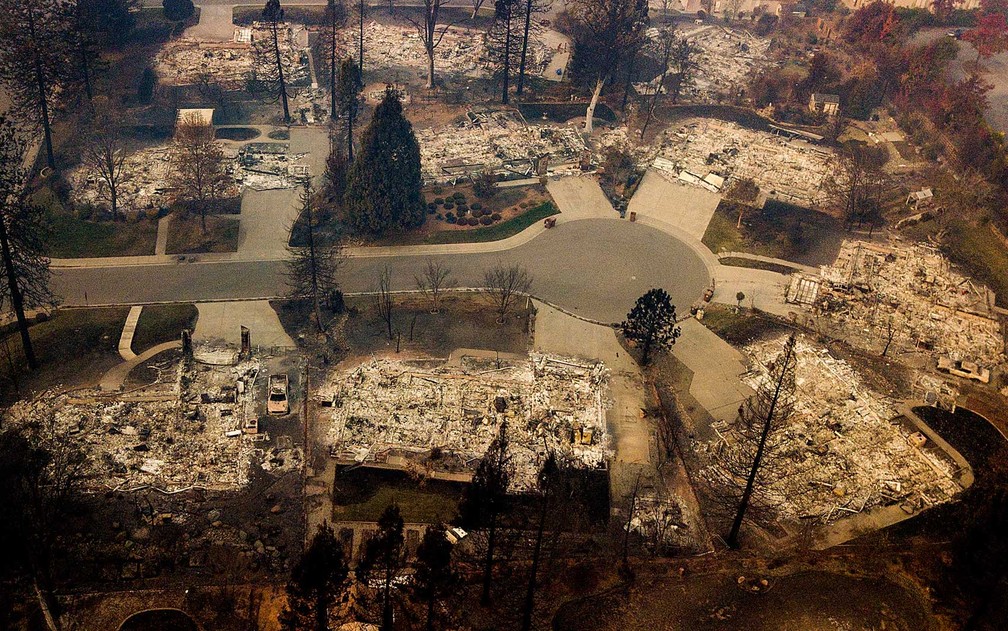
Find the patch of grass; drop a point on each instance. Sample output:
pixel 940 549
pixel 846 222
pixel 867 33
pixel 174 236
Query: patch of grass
pixel 74 346
pixel 72 237
pixel 740 328
pixel 363 494
pixel 237 133
pixel 162 323
pixel 245 15
pixel 978 251
pixel 738 261
pixel 186 236
pixel 779 230
pixel 496 232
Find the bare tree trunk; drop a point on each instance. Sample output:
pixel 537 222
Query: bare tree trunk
pixel 280 73
pixel 629 79
pixel 743 505
pixel 590 113
pixel 17 298
pixel 314 259
pixel 525 37
pixel 507 53
pixel 40 80
pixel 488 561
pixel 332 67
pixel 360 43
pixel 44 606
pixel 85 69
pixel 530 590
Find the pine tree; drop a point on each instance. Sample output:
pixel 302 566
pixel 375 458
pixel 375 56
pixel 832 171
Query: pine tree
pixel 316 579
pixel 433 577
pixel 651 323
pixel 33 53
pixel 383 560
pixel 22 238
pixel 273 15
pixel 485 499
pixel 383 192
pixel 312 270
pixel 347 98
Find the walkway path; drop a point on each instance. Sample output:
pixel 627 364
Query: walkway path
pixel 126 339
pixel 113 380
pixel 163 226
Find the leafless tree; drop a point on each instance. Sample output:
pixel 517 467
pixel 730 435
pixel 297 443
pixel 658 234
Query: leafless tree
pixel 335 19
pixel 503 43
pixel 312 271
pixel 761 418
pixel 890 333
pixel 198 165
pixel 684 61
pixel 386 304
pixel 435 279
pixel 854 188
pixel 269 58
pixel 532 8
pixel 732 8
pixel 661 47
pixel 502 284
pixel 105 155
pixel 430 33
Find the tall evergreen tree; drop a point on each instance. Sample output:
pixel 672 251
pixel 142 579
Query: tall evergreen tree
pixel 315 581
pixel 22 238
pixel 347 99
pixel 485 499
pixel 383 192
pixel 652 323
pixel 33 53
pixel 383 560
pixel 273 15
pixel 433 578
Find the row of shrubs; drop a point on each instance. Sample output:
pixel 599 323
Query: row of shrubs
pixel 484 220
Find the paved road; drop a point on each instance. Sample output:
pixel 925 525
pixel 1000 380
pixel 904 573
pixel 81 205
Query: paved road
pixel 595 268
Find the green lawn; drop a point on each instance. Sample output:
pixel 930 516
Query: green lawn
pixel 162 323
pixel 73 346
pixel 186 236
pixel 363 494
pixel 72 237
pixel 778 230
pixel 739 328
pixel 980 253
pixel 738 261
pixel 496 232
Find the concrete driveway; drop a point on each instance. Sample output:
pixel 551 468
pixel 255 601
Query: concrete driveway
pixel 266 220
pixel 221 322
pixel 686 208
pixel 580 197
pixel 215 24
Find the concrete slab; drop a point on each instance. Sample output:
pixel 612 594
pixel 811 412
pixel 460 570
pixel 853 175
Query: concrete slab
pixel 215 24
pixel 716 367
pixel 221 322
pixel 686 208
pixel 580 197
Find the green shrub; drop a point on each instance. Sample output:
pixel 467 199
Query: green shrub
pixel 438 201
pixel 459 196
pixel 495 217
pixel 437 189
pixel 431 208
pixel 476 206
pixel 450 216
pixel 440 217
pixel 486 221
pixel 449 205
pixel 473 221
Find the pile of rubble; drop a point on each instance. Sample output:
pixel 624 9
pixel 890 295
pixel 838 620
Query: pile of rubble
pixel 709 153
pixel 392 414
pixel 142 186
pixel 461 51
pixel 843 449
pixel 188 61
pixel 495 140
pixel 907 297
pixel 728 60
pixel 144 182
pixel 190 438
